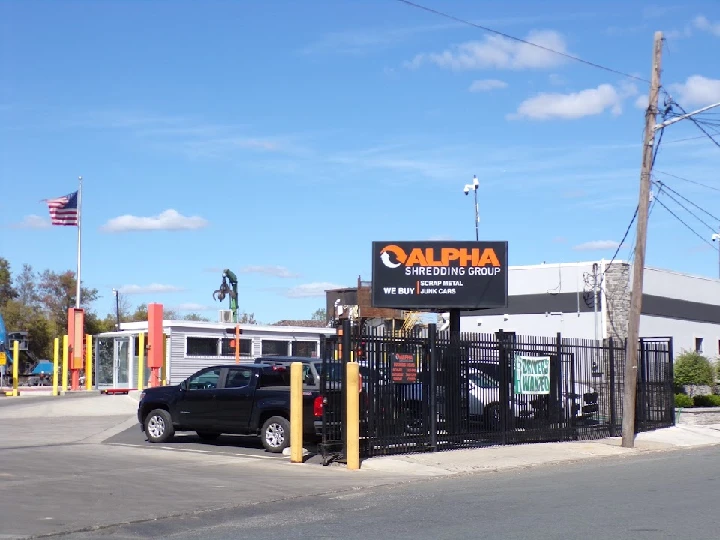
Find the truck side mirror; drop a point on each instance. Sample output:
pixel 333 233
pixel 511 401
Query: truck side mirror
pixel 183 385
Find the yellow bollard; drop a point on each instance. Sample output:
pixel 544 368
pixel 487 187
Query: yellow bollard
pixel 353 416
pixel 141 361
pixel 163 370
pixel 88 362
pixel 65 355
pixel 16 362
pixel 56 362
pixel 296 413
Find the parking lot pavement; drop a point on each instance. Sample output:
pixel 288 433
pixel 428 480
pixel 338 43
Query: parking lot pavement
pixel 59 488
pixel 230 445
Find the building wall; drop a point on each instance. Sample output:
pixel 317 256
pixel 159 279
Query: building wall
pixel 684 333
pixel 669 284
pixel 180 365
pixel 568 324
pixel 546 299
pixel 616 298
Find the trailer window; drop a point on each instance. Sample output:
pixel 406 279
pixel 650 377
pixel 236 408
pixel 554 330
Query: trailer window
pixel 202 346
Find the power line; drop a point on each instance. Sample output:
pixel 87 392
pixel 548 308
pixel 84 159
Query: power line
pixel 681 205
pixel 688 180
pixel 686 225
pixel 548 49
pixel 694 121
pixel 663 184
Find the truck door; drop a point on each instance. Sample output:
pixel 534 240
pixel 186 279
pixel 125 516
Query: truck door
pixel 235 399
pixel 198 406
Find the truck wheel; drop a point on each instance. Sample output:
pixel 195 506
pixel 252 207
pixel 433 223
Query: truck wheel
pixel 206 436
pixel 275 434
pixel 158 426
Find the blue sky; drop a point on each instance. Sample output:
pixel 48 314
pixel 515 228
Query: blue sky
pixel 279 139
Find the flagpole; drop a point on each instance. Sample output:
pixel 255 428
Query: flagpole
pixel 79 243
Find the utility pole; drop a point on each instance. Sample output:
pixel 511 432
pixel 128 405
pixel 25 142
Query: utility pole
pixel 631 347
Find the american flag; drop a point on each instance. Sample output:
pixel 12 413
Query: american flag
pixel 64 210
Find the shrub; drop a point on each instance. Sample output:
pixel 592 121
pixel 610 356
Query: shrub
pixel 683 400
pixel 706 401
pixel 692 368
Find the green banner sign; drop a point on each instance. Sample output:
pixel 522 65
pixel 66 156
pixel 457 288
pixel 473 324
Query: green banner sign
pixel 532 374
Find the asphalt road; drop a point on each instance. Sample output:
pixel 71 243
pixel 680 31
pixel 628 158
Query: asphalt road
pixel 232 445
pixel 666 495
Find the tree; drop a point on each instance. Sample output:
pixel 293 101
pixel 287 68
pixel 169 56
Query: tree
pixel 141 314
pixel 247 318
pixel 692 368
pixel 57 293
pixel 20 317
pixel 319 315
pixel 195 317
pixel 7 291
pixel 26 286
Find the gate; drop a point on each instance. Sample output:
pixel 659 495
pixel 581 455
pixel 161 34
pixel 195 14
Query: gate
pixel 425 390
pixel 332 385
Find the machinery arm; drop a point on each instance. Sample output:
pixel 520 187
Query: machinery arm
pixel 230 290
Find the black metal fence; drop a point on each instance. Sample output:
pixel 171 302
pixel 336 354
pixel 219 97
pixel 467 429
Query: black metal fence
pixel 427 391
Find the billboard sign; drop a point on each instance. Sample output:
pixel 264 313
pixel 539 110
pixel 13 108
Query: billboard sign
pixel 439 275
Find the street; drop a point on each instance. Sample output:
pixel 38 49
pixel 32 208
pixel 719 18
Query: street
pixel 665 495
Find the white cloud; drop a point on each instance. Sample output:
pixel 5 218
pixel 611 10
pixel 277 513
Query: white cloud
pixel 642 102
pixel 697 91
pixel 590 102
pixel 486 85
pixel 596 245
pixel 153 288
pixel 311 290
pixel 169 220
pixel 191 306
pixel 33 222
pixel 702 23
pixel 500 53
pixel 276 271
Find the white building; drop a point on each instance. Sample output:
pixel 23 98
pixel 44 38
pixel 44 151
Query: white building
pixel 546 299
pixel 193 345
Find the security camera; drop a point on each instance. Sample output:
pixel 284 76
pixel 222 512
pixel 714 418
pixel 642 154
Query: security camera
pixel 715 236
pixel 466 190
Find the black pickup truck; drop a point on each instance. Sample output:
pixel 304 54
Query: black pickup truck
pixel 246 399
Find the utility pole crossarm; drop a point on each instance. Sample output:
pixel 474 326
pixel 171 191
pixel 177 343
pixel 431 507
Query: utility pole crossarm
pixel 666 123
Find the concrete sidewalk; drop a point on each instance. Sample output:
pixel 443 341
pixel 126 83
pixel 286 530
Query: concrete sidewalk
pixel 500 458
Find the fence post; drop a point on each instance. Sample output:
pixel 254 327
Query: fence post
pixel 432 395
pixel 345 360
pixel 503 397
pixel 613 409
pixel 671 382
pixel 640 391
pixel 556 383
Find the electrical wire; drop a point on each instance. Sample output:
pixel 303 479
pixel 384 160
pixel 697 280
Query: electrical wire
pixel 663 184
pixel 681 205
pixel 683 222
pixel 497 32
pixel 692 119
pixel 688 180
